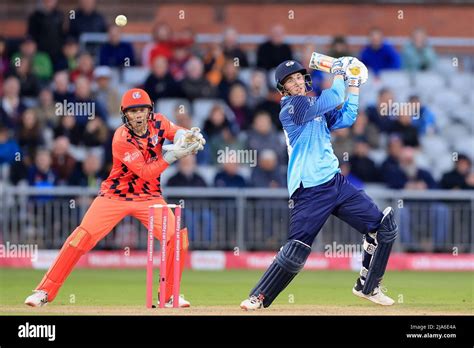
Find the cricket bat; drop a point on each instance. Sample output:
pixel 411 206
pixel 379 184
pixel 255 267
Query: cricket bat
pixel 324 63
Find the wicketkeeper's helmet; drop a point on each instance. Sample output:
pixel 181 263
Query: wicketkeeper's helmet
pixel 134 98
pixel 287 68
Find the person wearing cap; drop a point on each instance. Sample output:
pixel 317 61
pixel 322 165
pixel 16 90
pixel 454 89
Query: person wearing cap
pixel 316 187
pixel 105 93
pixel 139 158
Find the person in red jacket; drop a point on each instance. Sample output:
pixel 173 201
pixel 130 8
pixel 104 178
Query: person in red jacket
pixel 139 158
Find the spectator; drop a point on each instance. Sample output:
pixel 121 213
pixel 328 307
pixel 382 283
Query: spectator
pixel 231 49
pixel 379 55
pixel 162 44
pixel 105 93
pixel 186 175
pixel 182 44
pixel 86 106
pixel 271 104
pixel 29 83
pixel 238 104
pixel 214 60
pixel 195 85
pixel 45 26
pixel 228 176
pixel 274 51
pixel 4 61
pixel 88 173
pixel 46 110
pixel 230 77
pixel 86 20
pixel 30 134
pixel 407 175
pixel 42 67
pixel 67 59
pixel 11 105
pixel 85 67
pixel 461 177
pixel 258 89
pixel 182 118
pixel 160 83
pixel 115 52
pixel 404 128
pixel 267 173
pixel 216 122
pixel 417 53
pixel 69 128
pixel 227 140
pixel 380 114
pixel 391 163
pixel 9 148
pixel 362 127
pixel 264 136
pixel 61 90
pixel 346 171
pixel 361 165
pixel 96 133
pixel 342 143
pixel 424 120
pixel 339 47
pixel 40 174
pixel 63 163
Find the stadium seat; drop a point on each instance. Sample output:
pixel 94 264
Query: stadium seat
pixel 202 108
pixel 429 79
pixel 462 83
pixel 208 173
pixel 167 107
pixel 446 99
pixel 378 156
pixel 135 76
pixel 245 75
pixel 396 79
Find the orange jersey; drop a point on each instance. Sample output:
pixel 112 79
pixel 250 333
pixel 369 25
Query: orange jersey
pixel 138 161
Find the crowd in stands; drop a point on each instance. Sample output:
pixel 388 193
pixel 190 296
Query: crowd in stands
pixel 46 141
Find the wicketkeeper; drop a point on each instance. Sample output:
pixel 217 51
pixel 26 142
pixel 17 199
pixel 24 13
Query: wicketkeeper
pixel 139 158
pixel 316 186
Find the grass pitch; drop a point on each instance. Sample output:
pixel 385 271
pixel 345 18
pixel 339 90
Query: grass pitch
pixel 122 292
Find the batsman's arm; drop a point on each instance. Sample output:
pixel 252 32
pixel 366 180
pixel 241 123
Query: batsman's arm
pixel 303 109
pixel 345 116
pixel 130 156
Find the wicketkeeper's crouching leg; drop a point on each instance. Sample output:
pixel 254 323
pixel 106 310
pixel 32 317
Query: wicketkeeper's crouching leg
pixel 286 265
pixel 77 244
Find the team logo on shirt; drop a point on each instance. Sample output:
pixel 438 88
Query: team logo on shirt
pixel 129 157
pixel 136 95
pixel 154 140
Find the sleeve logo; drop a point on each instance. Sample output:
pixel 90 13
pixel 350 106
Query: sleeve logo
pixel 129 157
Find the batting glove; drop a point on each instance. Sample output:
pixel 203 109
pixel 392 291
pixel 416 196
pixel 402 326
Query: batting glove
pixel 339 66
pixel 356 73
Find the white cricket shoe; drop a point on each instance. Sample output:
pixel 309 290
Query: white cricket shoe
pixel 183 303
pixel 251 304
pixel 38 299
pixel 377 296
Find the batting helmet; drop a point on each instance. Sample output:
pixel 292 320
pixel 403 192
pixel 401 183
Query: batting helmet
pixel 134 98
pixel 287 68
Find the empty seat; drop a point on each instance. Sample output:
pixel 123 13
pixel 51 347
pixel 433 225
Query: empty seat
pixel 429 79
pixel 135 76
pixel 167 107
pixel 447 99
pixel 395 79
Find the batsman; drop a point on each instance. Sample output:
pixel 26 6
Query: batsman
pixel 139 157
pixel 316 186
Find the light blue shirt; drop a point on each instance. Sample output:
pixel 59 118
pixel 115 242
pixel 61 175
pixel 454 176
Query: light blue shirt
pixel 307 124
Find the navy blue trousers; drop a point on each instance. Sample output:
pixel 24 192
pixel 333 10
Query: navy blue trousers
pixel 312 206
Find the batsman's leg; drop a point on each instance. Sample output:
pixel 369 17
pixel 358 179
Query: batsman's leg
pixel 287 264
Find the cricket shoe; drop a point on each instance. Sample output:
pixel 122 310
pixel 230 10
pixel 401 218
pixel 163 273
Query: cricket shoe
pixel 183 303
pixel 251 304
pixel 38 299
pixel 377 296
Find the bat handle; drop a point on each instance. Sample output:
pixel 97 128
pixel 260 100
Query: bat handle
pixel 321 62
